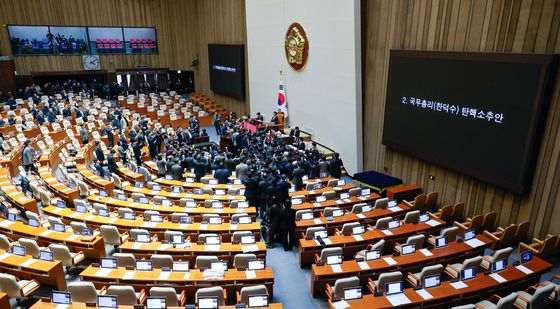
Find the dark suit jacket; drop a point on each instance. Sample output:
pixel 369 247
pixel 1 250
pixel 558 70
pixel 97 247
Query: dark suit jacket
pixel 288 219
pixel 99 154
pixel 112 164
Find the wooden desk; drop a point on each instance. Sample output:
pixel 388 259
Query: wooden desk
pixel 91 248
pixel 312 193
pixel 350 244
pixel 454 252
pixel 226 229
pixel 15 196
pixel 46 305
pixel 477 289
pixel 151 193
pixel 189 282
pixel 26 267
pixel 226 251
pixel 128 174
pixel 4 300
pixel 338 222
pixel 94 180
pixel 403 192
pixel 193 185
pixel 198 211
pixel 63 191
pixel 346 203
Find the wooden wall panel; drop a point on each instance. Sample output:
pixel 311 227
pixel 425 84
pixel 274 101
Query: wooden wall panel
pixel 184 28
pixel 529 26
pixel 221 22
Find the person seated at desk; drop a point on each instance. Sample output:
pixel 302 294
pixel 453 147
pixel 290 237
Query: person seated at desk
pixel 260 117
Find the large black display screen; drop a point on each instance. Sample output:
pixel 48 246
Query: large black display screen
pixel 227 69
pixel 476 113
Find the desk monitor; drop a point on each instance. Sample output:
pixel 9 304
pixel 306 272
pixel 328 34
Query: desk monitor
pixel 215 220
pixel 317 186
pixel 247 240
pixel 189 180
pixel 18 250
pixel 46 255
pixel 338 213
pixel 145 265
pixel 145 238
pixel 156 218
pixel 207 302
pixel 307 216
pixel 340 182
pixel 220 192
pixel 242 204
pixel 219 266
pixel 103 212
pixel 156 188
pixel 297 201
pixel 167 202
pixel 156 302
pixel 321 198
pixel 469 234
pixel 217 204
pixel 366 208
pixel 257 301
pixel 87 231
pixel 180 266
pixel 129 216
pixel 61 298
pixel 190 204
pixel 373 255
pixel 441 242
pixel 324 175
pixel 499 265
pixel 468 273
pixel 244 220
pixel 60 204
pixel 213 181
pixel 107 301
pixel 392 203
pixel 393 224
pixel 185 220
pixel 236 182
pixel 292 189
pixel 103 193
pixel 176 189
pixel 431 281
pixel 72 185
pixel 526 256
pixel 394 288
pixel 365 192
pixel 304 177
pixel 139 185
pixel 11 217
pixel 81 209
pixel 344 195
pixel 321 234
pixel 108 263
pixel 212 240
pixel 424 217
pixel 168 177
pixel 353 293
pixel 408 249
pixel 197 191
pixel 144 200
pixel 357 230
pixel 177 239
pixel 122 197
pixel 59 227
pixel 256 265
pixel 335 259
pixel 33 222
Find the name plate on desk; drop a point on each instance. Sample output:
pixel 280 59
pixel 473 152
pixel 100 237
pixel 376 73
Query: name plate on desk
pixel 250 274
pixel 390 261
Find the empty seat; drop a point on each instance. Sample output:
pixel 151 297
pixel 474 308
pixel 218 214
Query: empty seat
pixel 501 254
pixel 205 261
pixel 216 291
pixel 126 296
pixel 83 292
pixel 173 299
pixel 326 252
pixel 417 240
pixel 125 259
pixel 236 236
pixel 417 279
pixel 412 217
pixel 162 260
pixel 337 291
pixel 112 236
pixel 381 203
pixel 63 254
pixel 383 223
pixel 241 260
pixel 15 288
pixel 378 286
pixel 245 292
pixel 310 231
pixel 502 302
pixel 450 233
pixel 31 247
pixel 539 298
pixel 419 202
pixel 454 270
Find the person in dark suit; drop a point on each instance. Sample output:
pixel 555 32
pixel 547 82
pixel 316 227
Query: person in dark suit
pixel 137 153
pixel 274 218
pixel 274 118
pixel 199 167
pixel 222 174
pixel 99 152
pixel 177 171
pixel 263 190
pixel 335 166
pixel 297 177
pixel 287 225
pixel 108 131
pixel 111 163
pixel 251 189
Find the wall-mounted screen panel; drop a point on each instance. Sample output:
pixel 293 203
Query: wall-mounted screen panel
pixel 140 40
pixel 106 40
pixel 476 113
pixel 227 69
